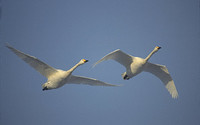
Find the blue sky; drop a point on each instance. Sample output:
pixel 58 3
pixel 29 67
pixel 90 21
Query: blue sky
pixel 61 32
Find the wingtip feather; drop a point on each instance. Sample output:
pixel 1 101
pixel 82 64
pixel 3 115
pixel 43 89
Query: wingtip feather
pixel 8 45
pixel 172 89
pixel 94 65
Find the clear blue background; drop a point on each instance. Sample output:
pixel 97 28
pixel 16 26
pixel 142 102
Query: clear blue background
pixel 61 32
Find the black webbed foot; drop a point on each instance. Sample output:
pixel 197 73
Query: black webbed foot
pixel 126 77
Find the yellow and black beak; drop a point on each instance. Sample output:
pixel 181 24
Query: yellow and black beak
pixel 158 47
pixel 85 60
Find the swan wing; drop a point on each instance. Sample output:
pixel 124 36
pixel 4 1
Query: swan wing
pixel 118 56
pixel 88 81
pixel 38 65
pixel 162 73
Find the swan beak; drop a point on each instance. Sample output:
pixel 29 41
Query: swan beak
pixel 85 60
pixel 158 47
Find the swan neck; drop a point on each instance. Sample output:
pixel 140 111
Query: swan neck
pixel 149 56
pixel 74 67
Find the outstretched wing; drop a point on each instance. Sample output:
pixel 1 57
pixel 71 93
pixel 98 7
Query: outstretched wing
pixel 118 56
pixel 162 73
pixel 88 81
pixel 38 65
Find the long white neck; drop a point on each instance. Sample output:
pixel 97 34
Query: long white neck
pixel 149 56
pixel 74 67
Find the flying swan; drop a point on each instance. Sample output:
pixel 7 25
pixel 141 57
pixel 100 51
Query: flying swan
pixel 135 65
pixel 55 77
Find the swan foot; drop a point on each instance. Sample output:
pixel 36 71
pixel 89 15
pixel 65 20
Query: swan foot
pixel 45 88
pixel 126 77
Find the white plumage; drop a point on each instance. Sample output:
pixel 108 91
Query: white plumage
pixel 135 65
pixel 56 77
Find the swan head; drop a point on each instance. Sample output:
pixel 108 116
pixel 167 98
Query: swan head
pixel 157 48
pixel 83 61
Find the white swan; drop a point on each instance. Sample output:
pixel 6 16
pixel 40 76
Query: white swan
pixel 135 65
pixel 56 77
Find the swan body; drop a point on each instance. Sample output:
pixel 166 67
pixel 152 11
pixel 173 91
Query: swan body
pixel 136 65
pixel 55 77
